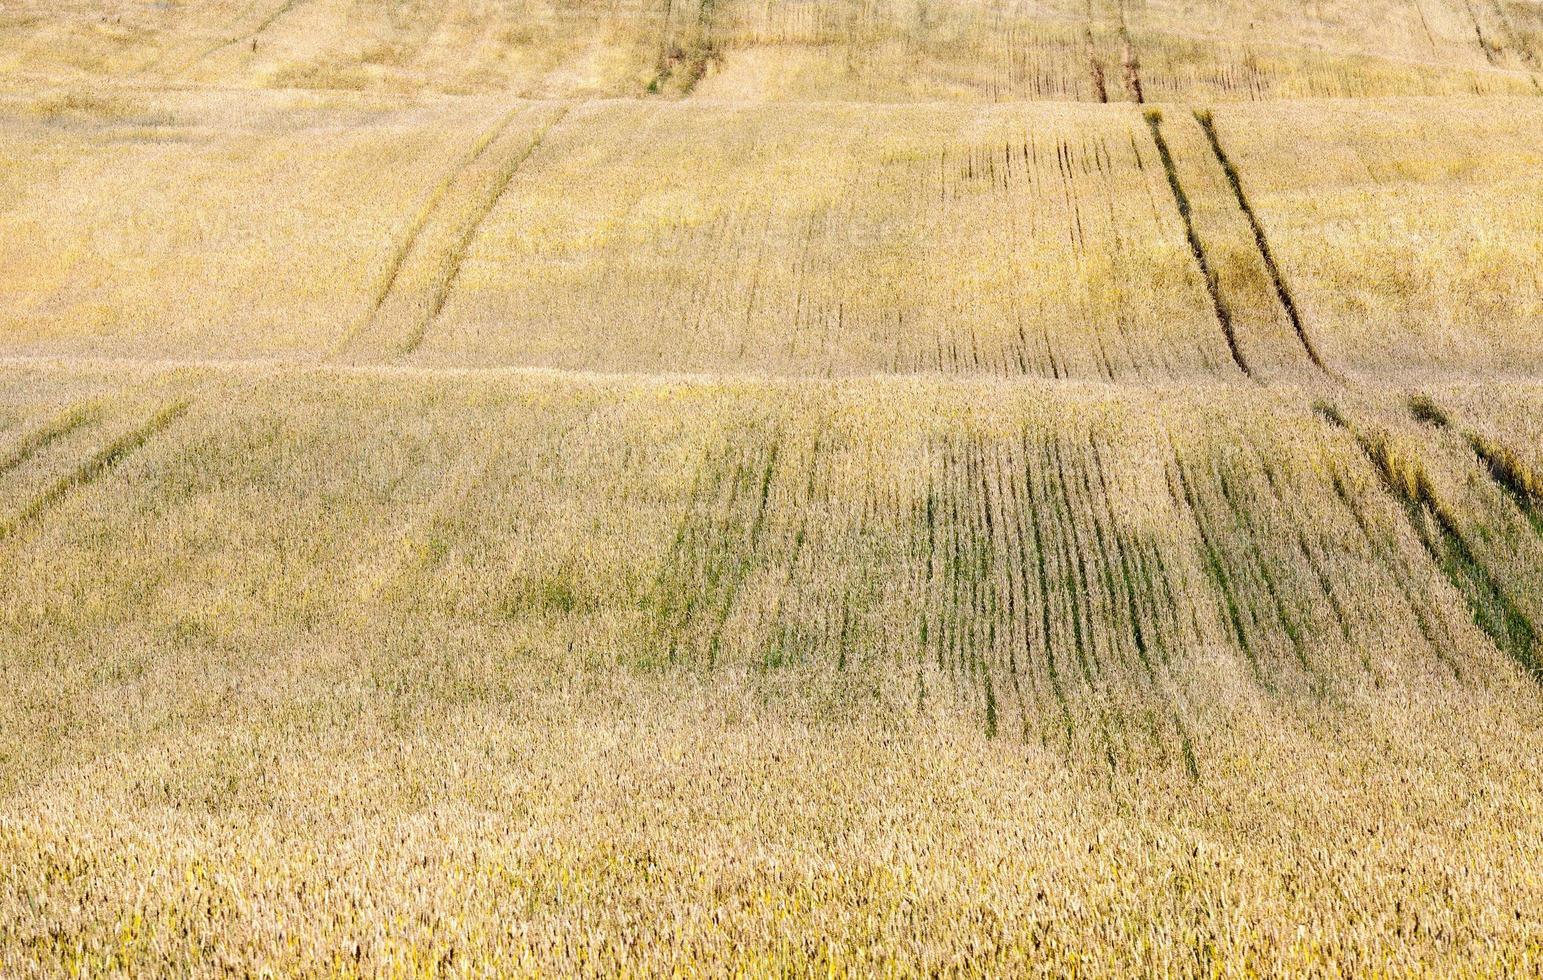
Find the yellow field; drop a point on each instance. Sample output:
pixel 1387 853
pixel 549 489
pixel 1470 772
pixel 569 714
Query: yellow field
pixel 636 236
pixel 870 50
pixel 727 488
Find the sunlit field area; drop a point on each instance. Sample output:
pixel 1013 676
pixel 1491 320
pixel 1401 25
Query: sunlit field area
pixel 840 488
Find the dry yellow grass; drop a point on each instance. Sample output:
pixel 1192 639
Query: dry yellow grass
pixel 389 670
pixel 770 488
pixel 1089 50
pixel 1413 250
pixel 628 236
pixel 1110 51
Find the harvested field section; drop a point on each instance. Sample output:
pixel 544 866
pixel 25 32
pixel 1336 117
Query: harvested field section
pixel 1180 68
pixel 771 488
pixel 1410 239
pixel 605 782
pixel 627 237
pixel 786 51
pixel 956 241
pixel 635 237
pixel 532 50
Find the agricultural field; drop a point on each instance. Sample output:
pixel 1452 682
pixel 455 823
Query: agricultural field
pixel 518 488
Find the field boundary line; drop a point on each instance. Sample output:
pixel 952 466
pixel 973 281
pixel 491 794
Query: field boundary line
pixel 101 462
pixel 32 81
pixel 1213 286
pixel 316 363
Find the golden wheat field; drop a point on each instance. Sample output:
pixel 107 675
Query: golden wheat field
pixel 776 488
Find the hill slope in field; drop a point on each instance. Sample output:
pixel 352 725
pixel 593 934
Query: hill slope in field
pixel 253 605
pixel 1083 50
pixel 787 487
pixel 629 236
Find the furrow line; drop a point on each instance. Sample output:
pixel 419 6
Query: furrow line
pixel 1046 589
pixel 1243 528
pixel 1217 570
pixel 1127 573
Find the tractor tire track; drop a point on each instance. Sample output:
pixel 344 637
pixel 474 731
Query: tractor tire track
pixel 1261 242
pixel 1502 465
pixel 458 251
pixel 1095 64
pixel 1219 306
pixel 1425 23
pixel 1389 560
pixel 102 462
pixel 1130 62
pixel 1132 66
pixel 1485 44
pixel 250 37
pixel 1492 607
pixel 40 439
pixel 409 242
